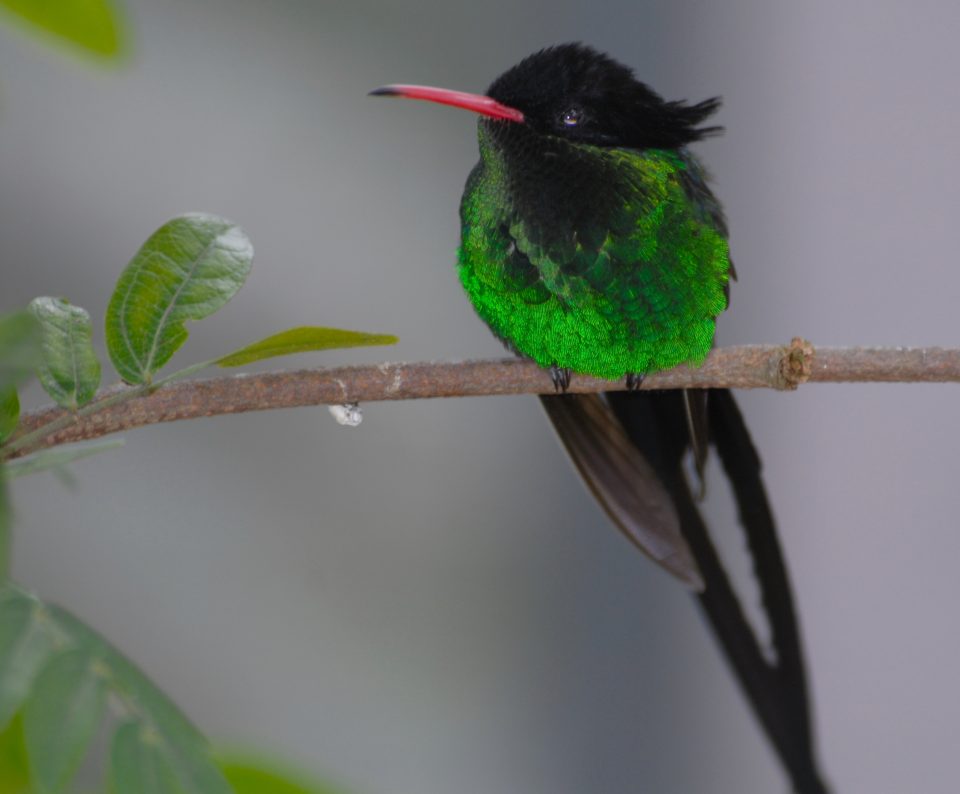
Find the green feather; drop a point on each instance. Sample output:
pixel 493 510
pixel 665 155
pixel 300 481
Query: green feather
pixel 635 293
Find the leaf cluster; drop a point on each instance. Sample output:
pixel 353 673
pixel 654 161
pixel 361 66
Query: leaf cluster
pixel 59 679
pixel 57 674
pixel 185 271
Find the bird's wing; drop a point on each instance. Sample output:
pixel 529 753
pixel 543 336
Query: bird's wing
pixel 651 259
pixel 622 481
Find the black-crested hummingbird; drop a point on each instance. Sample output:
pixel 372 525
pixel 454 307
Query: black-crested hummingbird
pixel 592 244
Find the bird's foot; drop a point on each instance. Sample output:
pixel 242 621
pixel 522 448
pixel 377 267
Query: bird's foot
pixel 634 379
pixel 560 377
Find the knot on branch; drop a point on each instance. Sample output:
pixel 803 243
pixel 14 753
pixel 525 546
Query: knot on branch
pixel 796 364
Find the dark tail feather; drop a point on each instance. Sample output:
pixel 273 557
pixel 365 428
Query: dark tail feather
pixel 658 425
pixel 698 426
pixel 622 480
pixel 791 719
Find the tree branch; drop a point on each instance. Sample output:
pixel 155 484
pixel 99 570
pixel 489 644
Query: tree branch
pixel 744 367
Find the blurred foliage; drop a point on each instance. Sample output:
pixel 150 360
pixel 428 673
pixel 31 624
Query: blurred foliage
pixel 60 681
pixel 58 457
pixel 6 520
pixel 20 340
pixel 64 707
pixel 59 672
pixel 92 25
pixel 9 411
pixel 14 775
pixel 69 369
pixel 57 676
pixel 256 776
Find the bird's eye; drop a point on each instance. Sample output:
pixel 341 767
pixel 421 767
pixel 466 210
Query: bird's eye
pixel 571 117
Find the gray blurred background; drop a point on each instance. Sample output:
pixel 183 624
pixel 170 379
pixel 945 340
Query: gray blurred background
pixel 431 602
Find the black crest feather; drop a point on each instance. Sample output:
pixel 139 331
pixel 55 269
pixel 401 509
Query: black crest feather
pixel 616 108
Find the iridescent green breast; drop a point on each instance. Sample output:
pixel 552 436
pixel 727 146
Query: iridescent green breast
pixel 624 272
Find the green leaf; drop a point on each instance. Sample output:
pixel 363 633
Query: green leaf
pixel 58 456
pixel 6 523
pixel 65 694
pixel 90 23
pixel 138 763
pixel 303 340
pixel 19 348
pixel 27 641
pixel 185 749
pixel 9 412
pixel 14 774
pixel 69 369
pixel 60 717
pixel 254 776
pixel 189 268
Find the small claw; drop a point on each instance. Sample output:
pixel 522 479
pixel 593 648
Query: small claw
pixel 634 379
pixel 560 377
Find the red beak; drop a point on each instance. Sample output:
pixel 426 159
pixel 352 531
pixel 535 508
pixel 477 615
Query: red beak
pixel 478 103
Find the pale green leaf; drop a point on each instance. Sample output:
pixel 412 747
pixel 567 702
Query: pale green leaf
pixel 9 412
pixel 256 776
pixel 14 774
pixel 27 640
pixel 66 686
pixel 6 524
pixel 69 370
pixel 139 764
pixel 185 749
pixel 303 340
pixel 189 268
pixel 91 24
pixel 19 348
pixel 60 717
pixel 56 457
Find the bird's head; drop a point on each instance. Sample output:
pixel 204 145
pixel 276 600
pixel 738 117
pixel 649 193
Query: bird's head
pixel 576 93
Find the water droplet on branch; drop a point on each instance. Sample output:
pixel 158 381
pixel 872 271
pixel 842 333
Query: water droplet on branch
pixel 348 414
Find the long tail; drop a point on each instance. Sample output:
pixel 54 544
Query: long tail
pixel 657 426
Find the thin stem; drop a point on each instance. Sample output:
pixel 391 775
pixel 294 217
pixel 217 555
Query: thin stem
pixel 28 442
pixel 61 419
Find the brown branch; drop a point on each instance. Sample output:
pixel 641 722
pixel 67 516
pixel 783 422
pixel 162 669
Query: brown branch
pixel 745 367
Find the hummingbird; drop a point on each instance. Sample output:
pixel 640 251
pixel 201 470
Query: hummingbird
pixel 592 243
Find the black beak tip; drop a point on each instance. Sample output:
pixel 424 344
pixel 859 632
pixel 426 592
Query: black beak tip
pixel 384 90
